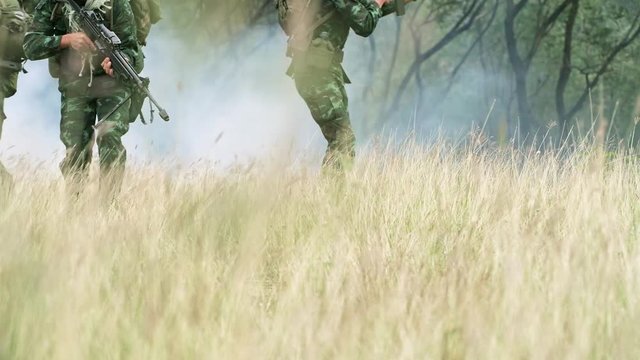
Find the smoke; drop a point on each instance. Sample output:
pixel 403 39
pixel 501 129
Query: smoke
pixel 225 109
pixel 228 105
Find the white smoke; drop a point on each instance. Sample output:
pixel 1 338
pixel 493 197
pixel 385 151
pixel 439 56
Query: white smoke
pixel 223 111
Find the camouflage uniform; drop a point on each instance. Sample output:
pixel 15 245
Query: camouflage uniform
pixel 320 79
pixel 10 58
pixel 87 92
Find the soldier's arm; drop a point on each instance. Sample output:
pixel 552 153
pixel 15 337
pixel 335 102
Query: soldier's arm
pixel 42 41
pixel 390 7
pixel 362 15
pixel 125 27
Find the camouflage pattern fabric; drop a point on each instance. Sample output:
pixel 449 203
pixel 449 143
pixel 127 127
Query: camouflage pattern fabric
pixel 8 79
pixel 147 13
pixel 88 97
pixel 320 78
pixel 5 176
pixel 324 92
pixel 78 134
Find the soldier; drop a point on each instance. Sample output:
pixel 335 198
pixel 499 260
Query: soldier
pixel 89 90
pixel 13 24
pixel 318 31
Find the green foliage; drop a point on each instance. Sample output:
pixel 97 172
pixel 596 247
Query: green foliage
pixel 449 60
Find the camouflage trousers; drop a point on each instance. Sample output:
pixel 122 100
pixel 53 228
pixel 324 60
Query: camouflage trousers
pixel 2 114
pixel 324 92
pixel 5 177
pixel 79 134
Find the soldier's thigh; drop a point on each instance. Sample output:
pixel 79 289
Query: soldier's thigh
pixel 78 114
pixel 324 93
pixel 120 118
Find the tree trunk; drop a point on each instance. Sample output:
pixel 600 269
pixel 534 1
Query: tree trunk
pixel 520 69
pixel 565 71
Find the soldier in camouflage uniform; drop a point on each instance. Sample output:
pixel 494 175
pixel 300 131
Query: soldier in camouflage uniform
pixel 316 46
pixel 13 23
pixel 89 90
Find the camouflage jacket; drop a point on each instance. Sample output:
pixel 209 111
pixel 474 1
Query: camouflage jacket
pixel 50 23
pixel 360 15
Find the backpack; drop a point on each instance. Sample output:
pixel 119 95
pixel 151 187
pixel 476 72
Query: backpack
pixel 147 14
pixel 14 23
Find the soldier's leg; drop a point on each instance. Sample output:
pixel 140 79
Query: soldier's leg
pixel 76 132
pixel 6 181
pixel 326 97
pixel 2 115
pixel 113 154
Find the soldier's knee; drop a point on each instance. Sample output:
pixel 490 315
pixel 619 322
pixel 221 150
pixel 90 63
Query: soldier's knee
pixel 109 138
pixel 335 123
pixel 109 134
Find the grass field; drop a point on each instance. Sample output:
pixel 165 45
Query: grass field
pixel 419 253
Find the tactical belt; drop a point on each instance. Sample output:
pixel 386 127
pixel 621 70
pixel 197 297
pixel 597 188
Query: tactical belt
pixel 16 66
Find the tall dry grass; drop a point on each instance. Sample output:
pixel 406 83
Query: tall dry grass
pixel 421 252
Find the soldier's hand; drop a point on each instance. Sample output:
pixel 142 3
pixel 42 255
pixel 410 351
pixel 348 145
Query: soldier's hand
pixel 382 2
pixel 106 65
pixel 77 41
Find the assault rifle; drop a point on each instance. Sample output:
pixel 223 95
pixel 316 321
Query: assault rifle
pixel 109 45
